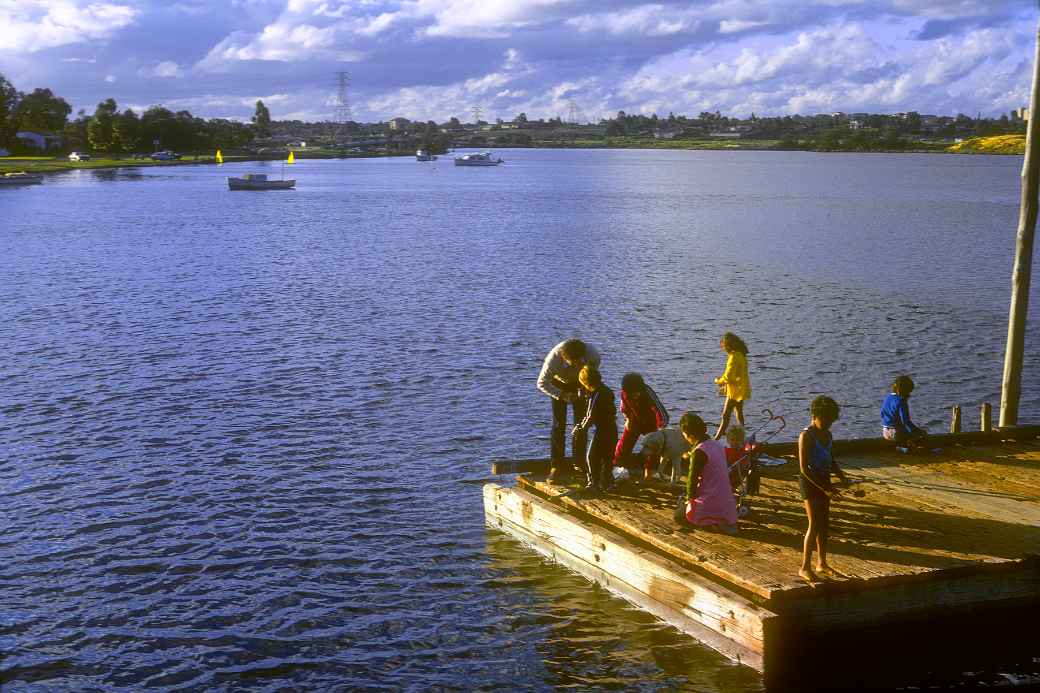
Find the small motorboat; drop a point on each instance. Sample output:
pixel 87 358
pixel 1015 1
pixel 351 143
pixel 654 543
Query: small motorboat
pixel 478 159
pixel 258 181
pixel 21 178
pixel 423 155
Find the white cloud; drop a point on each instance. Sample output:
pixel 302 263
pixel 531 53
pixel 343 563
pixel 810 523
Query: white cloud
pixel 488 18
pixel 35 25
pixel 166 68
pixel 110 79
pixel 733 26
pixel 840 67
pixel 644 20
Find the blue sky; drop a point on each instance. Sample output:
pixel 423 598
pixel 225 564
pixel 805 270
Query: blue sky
pixel 432 59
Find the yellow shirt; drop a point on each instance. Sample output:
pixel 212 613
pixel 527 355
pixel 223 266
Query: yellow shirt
pixel 738 386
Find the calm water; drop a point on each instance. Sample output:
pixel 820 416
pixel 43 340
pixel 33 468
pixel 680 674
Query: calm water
pixel 243 434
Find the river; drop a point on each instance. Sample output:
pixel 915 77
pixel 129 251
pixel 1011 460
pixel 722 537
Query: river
pixel 243 435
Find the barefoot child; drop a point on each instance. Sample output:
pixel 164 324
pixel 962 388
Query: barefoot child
pixel 895 417
pixel 815 466
pixel 734 382
pixel 707 485
pixel 643 413
pixel 600 414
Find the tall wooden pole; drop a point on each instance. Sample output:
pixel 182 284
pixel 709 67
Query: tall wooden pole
pixel 1016 338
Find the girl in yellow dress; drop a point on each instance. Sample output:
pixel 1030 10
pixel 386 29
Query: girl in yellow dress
pixel 734 383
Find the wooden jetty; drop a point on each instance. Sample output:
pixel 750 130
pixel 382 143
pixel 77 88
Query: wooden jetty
pixel 941 550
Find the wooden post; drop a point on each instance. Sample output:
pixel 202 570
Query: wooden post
pixel 986 420
pixel 955 420
pixel 1011 390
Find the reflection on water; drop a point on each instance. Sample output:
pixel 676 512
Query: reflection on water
pixel 234 426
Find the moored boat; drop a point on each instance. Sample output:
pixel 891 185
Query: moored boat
pixel 423 155
pixel 21 178
pixel 477 159
pixel 259 181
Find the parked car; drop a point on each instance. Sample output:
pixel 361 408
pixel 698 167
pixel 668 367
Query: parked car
pixel 79 156
pixel 165 155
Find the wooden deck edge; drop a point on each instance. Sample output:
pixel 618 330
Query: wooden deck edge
pixel 541 465
pixel 941 593
pixel 717 617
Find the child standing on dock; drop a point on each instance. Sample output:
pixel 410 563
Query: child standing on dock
pixel 815 466
pixel 709 493
pixel 600 414
pixel 643 414
pixel 895 417
pixel 734 382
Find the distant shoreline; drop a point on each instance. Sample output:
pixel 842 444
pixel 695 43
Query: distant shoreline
pixel 977 146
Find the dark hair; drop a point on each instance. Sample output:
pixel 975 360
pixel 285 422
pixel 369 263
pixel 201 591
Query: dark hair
pixel 734 343
pixel 903 385
pixel 693 425
pixel 632 383
pixel 824 408
pixel 573 349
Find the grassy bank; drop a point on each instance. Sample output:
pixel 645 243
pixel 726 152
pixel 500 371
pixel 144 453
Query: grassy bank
pixel 39 164
pixel 45 164
pixel 999 144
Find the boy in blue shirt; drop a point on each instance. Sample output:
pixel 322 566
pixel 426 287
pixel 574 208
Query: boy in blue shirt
pixel 895 417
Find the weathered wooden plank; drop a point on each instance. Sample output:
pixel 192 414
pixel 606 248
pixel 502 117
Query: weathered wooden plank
pixel 649 518
pixel 735 626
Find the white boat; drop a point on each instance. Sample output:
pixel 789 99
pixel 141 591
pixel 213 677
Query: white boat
pixel 21 178
pixel 258 181
pixel 423 155
pixel 479 159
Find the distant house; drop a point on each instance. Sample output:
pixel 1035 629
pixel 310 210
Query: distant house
pixel 40 141
pixel 666 134
pixel 398 123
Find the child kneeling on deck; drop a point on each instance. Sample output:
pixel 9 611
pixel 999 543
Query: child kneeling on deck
pixel 815 466
pixel 895 417
pixel 709 493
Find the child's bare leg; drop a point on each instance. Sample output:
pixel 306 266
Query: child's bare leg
pixel 824 513
pixel 738 407
pixel 727 411
pixel 807 544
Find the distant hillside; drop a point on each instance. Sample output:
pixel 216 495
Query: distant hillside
pixel 999 144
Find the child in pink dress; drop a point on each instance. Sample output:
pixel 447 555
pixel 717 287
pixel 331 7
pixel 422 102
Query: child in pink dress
pixel 708 487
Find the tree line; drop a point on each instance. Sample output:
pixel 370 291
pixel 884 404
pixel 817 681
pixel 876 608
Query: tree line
pixel 112 131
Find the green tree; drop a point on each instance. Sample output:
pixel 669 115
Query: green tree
pixel 42 110
pixel 75 131
pixel 262 120
pixel 100 127
pixel 156 125
pixel 9 98
pixel 126 131
pixel 521 119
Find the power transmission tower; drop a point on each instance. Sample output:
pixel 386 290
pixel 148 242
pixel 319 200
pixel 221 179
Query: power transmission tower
pixel 574 114
pixel 342 114
pixel 477 113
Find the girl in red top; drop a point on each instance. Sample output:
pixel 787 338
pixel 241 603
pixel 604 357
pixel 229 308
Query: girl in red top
pixel 643 413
